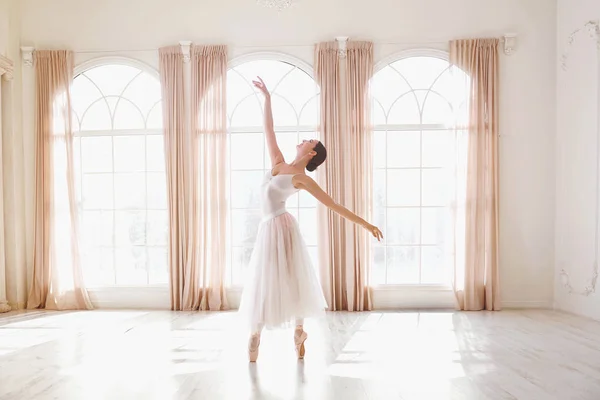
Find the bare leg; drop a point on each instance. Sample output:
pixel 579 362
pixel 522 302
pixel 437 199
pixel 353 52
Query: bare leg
pixel 254 343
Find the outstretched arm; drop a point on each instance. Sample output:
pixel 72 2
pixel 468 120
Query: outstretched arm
pixel 307 183
pixel 274 151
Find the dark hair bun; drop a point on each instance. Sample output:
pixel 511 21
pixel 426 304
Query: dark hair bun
pixel 318 158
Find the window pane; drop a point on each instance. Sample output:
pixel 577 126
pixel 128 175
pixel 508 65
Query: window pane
pixel 405 111
pixel 378 270
pixel 434 265
pixel 130 228
pixel 155 153
pixel 421 72
pixel 403 187
pixel 435 225
pixel 246 151
pixel 309 113
pixel 158 268
pixel 379 149
pixel 248 113
pixel 83 94
pixel 245 188
pixel 128 116
pixel 387 85
pixel 129 153
pixel 154 119
pixel 244 226
pixel 438 148
pixel 97 117
pixel 144 91
pixel 113 78
pixel 403 265
pixel 130 191
pixel 158 228
pixel 403 226
pixel 131 265
pixel 97 191
pixel 98 267
pixel 97 154
pixel 379 188
pixel 437 110
pixel 237 90
pixel 436 187
pixel 97 228
pixel 297 88
pixel 270 71
pixel 403 149
pixel 157 191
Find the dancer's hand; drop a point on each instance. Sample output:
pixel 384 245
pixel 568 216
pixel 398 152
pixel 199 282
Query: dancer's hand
pixel 374 231
pixel 260 85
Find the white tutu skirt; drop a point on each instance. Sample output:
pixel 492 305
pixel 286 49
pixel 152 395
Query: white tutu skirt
pixel 282 285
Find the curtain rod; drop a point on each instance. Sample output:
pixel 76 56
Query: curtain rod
pixel 502 39
pixel 509 41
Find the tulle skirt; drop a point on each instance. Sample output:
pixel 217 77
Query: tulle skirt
pixel 281 284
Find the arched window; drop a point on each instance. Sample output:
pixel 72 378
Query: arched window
pixel 418 102
pixel 120 174
pixel 295 99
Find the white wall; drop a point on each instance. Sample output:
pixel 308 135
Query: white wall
pixel 527 78
pixel 578 106
pixel 12 159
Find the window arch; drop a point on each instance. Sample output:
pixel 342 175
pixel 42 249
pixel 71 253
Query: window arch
pixel 419 102
pixel 295 101
pixel 120 173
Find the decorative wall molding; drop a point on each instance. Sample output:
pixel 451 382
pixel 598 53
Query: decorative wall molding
pixel 592 28
pixel 6 68
pixel 27 56
pixel 185 49
pixel 342 42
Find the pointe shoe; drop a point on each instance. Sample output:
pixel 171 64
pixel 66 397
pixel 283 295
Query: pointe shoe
pixel 253 350
pixel 299 342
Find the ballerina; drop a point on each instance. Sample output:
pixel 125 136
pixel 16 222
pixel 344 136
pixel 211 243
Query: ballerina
pixel 283 287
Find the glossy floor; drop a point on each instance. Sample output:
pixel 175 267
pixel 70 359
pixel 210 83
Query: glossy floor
pixel 529 355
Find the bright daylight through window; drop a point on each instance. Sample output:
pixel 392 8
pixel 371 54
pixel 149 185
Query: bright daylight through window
pixel 417 103
pixel 120 176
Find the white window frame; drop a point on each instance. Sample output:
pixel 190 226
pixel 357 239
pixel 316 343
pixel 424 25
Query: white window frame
pixel 411 295
pixel 109 295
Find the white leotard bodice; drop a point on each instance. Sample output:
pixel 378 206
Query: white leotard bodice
pixel 275 191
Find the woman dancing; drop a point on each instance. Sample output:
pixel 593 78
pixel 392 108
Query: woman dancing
pixel 283 287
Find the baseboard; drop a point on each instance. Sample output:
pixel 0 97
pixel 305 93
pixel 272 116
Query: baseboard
pixel 526 304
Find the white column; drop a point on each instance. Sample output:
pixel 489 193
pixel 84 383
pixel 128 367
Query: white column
pixel 28 163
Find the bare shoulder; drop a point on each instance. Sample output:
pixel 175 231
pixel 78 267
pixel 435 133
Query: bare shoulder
pixel 302 181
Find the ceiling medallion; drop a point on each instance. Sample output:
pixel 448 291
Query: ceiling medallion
pixel 278 5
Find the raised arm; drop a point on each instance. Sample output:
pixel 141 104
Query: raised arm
pixel 274 151
pixel 307 183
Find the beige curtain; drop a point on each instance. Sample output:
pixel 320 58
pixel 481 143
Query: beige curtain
pixel 57 276
pixel 196 168
pixel 209 130
pixel 346 176
pixel 180 194
pixel 477 285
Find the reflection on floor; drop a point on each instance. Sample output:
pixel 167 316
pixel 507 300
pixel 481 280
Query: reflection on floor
pixel 529 355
